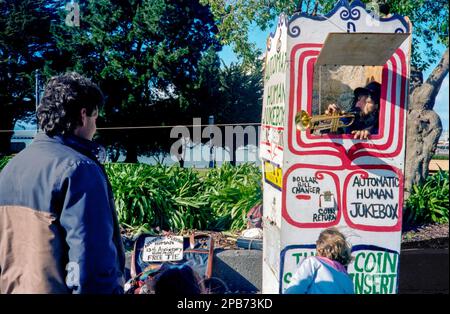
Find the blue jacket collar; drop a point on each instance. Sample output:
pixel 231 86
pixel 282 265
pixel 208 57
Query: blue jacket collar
pixel 81 145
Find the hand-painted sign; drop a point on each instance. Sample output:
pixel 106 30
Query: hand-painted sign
pixel 273 174
pixel 374 270
pixel 163 249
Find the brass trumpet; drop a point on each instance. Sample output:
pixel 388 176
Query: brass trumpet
pixel 322 122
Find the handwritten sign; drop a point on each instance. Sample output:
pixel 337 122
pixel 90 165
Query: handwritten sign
pixel 273 174
pixel 373 198
pixel 374 270
pixel 311 198
pixel 163 249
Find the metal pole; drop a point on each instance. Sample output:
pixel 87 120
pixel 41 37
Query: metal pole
pixel 212 161
pixel 37 93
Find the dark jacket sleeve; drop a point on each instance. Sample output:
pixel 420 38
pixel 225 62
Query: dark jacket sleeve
pixel 87 218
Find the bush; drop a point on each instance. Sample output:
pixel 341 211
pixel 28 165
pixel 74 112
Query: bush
pixel 174 198
pixel 230 192
pixel 428 203
pixel 157 196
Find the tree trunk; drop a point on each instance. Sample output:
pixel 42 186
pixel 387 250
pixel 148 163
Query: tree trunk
pixel 5 143
pixel 424 125
pixel 6 123
pixel 131 153
pixel 233 155
pixel 114 152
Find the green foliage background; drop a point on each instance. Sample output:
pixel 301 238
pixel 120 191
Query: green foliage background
pixel 428 203
pixel 174 198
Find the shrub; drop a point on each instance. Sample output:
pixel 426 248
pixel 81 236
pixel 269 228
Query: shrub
pixel 428 203
pixel 174 198
pixel 231 191
pixel 157 196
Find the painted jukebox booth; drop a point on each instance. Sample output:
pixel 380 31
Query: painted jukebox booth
pixel 318 177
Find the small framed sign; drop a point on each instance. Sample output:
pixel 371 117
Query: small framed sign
pixel 163 249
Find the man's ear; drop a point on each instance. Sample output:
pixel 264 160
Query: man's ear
pixel 83 116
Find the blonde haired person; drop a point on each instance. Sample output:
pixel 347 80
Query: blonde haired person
pixel 325 273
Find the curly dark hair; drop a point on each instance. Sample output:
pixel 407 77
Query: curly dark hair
pixel 64 97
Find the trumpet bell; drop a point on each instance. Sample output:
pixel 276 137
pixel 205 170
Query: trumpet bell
pixel 303 120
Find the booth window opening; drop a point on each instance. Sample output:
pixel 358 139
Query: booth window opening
pixel 345 99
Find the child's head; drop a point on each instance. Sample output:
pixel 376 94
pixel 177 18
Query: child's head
pixel 332 244
pixel 177 280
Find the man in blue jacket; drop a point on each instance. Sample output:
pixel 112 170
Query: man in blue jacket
pixel 58 227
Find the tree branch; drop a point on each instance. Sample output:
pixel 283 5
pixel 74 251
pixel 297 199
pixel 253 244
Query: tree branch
pixel 425 95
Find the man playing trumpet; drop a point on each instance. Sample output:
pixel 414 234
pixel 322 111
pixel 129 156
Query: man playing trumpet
pixel 365 106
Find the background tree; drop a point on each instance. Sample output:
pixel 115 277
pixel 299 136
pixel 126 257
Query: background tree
pixel 144 54
pixel 232 94
pixel 241 99
pixel 25 44
pixel 156 61
pixel 430 25
pixel 424 127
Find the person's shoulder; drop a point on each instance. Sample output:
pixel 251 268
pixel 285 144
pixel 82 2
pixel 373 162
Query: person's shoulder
pixel 66 159
pixel 73 158
pixel 56 149
pixel 312 261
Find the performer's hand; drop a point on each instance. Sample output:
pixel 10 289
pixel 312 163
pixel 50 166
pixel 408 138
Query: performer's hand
pixel 332 109
pixel 362 134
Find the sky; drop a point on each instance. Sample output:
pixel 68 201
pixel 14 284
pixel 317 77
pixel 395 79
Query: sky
pixel 259 37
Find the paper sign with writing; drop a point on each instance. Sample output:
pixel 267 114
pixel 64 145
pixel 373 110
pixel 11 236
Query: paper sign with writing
pixel 273 174
pixel 163 249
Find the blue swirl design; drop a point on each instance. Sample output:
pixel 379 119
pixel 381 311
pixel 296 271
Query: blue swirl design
pixel 368 247
pixel 350 14
pixel 294 31
pixel 399 30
